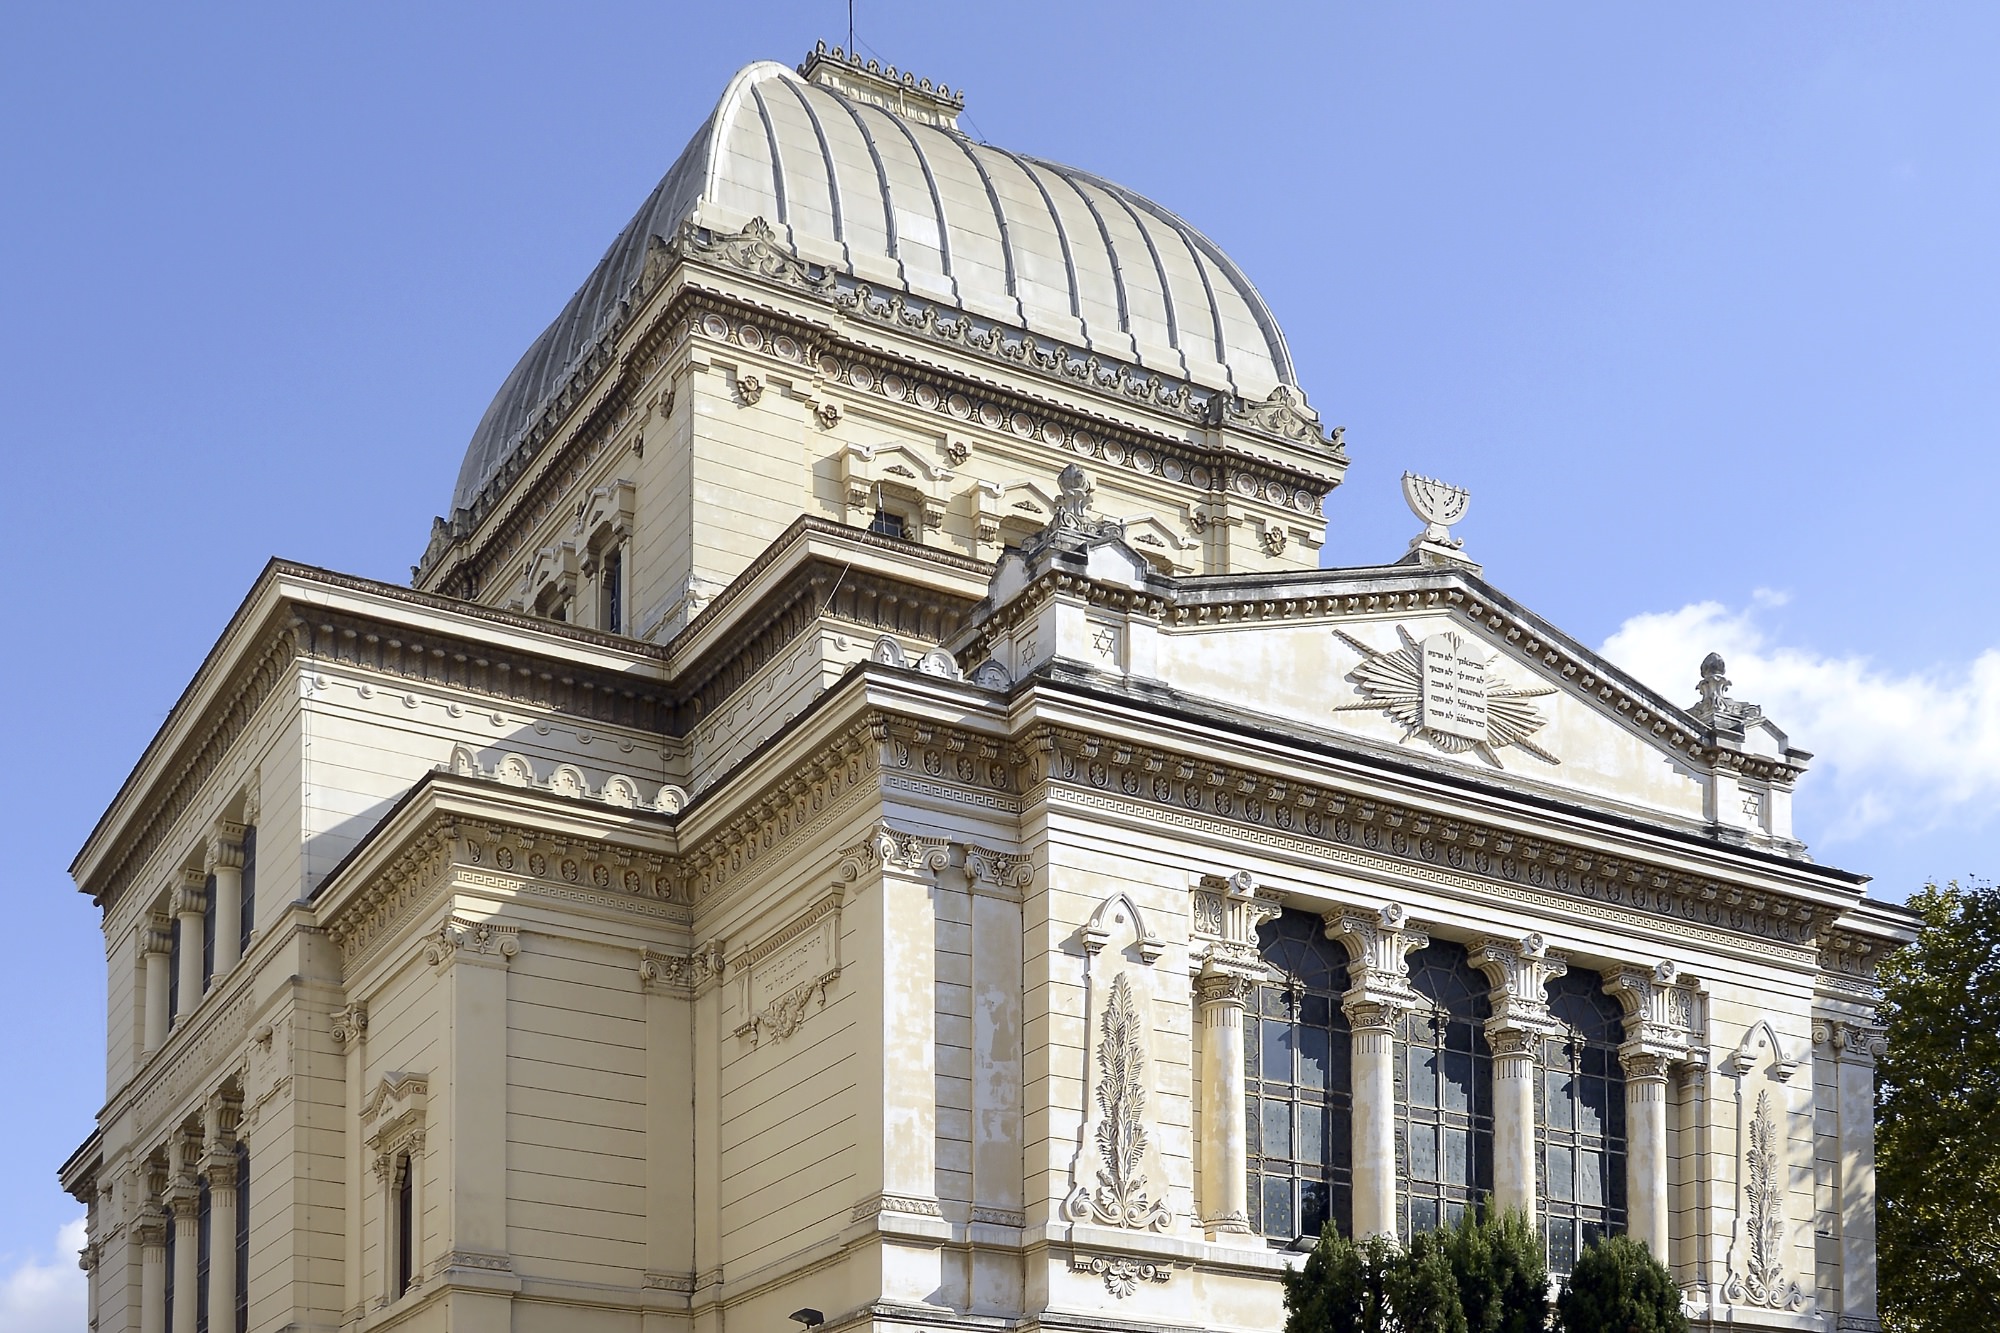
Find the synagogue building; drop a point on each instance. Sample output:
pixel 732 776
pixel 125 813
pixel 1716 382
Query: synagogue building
pixel 870 810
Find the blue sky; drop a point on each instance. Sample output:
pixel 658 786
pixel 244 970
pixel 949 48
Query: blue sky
pixel 1702 301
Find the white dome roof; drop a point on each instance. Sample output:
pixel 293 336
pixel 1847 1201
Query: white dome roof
pixel 902 203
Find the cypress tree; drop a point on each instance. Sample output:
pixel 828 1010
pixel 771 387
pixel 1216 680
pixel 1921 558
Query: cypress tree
pixel 1503 1280
pixel 1423 1289
pixel 1619 1287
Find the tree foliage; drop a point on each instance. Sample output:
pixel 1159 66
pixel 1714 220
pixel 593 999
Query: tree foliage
pixel 1503 1278
pixel 1619 1287
pixel 1486 1275
pixel 1938 1136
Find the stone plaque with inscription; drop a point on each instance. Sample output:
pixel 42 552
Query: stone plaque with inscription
pixel 1454 687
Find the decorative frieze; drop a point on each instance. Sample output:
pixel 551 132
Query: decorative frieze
pixel 1122 1274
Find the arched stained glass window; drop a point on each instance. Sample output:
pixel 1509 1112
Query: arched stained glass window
pixel 1580 1121
pixel 1444 1092
pixel 1298 1084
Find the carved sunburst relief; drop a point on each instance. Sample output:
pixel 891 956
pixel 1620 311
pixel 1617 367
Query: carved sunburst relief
pixel 1443 688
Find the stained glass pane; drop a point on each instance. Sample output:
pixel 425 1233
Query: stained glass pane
pixel 1423 1077
pixel 1279 1219
pixel 1457 1081
pixel 1251 1041
pixel 1313 1043
pixel 1559 1089
pixel 1312 1207
pixel 1423 1152
pixel 1277 1124
pixel 1423 1215
pixel 1590 1178
pixel 1590 1109
pixel 1312 1133
pixel 1562 1172
pixel 1278 1043
pixel 1562 1243
pixel 1458 1157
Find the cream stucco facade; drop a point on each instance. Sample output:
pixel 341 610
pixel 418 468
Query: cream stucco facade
pixel 870 805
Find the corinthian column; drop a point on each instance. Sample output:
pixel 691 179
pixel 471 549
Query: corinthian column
pixel 225 863
pixel 159 945
pixel 218 1168
pixel 1375 1005
pixel 1226 914
pixel 1656 1036
pixel 1520 971
pixel 1225 1144
pixel 151 1236
pixel 183 1195
pixel 189 903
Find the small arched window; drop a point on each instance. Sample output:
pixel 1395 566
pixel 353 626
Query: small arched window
pixel 1444 1092
pixel 1580 1121
pixel 1298 1084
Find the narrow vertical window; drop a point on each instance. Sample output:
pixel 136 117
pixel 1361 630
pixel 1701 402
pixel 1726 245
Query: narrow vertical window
pixel 249 897
pixel 613 618
pixel 405 1221
pixel 1445 1093
pixel 242 1238
pixel 886 524
pixel 1580 1121
pixel 208 930
pixel 171 1229
pixel 173 968
pixel 204 1248
pixel 1299 1101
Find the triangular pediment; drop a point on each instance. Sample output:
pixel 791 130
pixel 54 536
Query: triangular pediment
pixel 1436 667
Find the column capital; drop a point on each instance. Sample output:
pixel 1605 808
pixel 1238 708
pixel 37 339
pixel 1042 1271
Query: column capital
pixel 1659 1010
pixel 478 943
pixel 1520 971
pixel 190 894
pixel 149 1228
pixel 349 1022
pixel 1225 983
pixel 156 936
pixel 1850 1042
pixel 225 846
pixel 1376 942
pixel 1642 1063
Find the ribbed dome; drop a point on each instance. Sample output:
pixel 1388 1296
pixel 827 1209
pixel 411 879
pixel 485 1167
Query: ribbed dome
pixel 904 204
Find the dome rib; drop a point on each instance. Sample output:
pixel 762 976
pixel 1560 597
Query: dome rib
pixel 1061 260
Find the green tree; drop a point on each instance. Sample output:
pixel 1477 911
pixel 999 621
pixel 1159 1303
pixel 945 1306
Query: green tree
pixel 1619 1287
pixel 1423 1289
pixel 1341 1287
pixel 1503 1278
pixel 1938 1139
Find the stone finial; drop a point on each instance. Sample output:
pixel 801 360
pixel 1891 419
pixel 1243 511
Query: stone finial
pixel 1716 708
pixel 1073 504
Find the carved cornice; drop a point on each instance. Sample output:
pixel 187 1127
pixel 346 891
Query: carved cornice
pixel 1155 780
pixel 209 740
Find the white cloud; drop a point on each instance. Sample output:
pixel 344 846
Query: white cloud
pixel 48 1293
pixel 1898 754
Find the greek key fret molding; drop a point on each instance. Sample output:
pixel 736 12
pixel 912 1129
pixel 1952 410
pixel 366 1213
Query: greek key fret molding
pixel 1409 838
pixel 1122 1275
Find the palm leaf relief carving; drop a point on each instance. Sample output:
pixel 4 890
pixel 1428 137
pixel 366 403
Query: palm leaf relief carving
pixel 1121 1196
